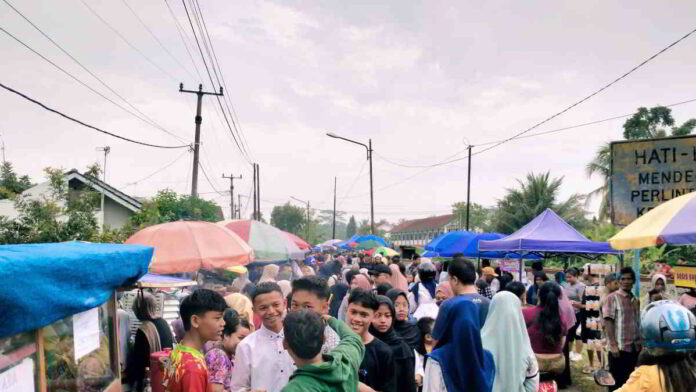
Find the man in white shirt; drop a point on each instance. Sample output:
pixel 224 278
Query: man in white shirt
pixel 261 363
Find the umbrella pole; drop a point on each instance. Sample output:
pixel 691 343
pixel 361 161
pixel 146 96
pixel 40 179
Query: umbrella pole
pixel 636 269
pixel 521 268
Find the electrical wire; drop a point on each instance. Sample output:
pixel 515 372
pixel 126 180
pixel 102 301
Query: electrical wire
pixel 184 38
pixel 355 181
pixel 208 179
pixel 124 39
pixel 188 15
pixel 87 125
pixel 145 118
pixel 159 42
pixel 163 168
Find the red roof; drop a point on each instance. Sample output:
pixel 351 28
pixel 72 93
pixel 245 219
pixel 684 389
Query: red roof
pixel 434 222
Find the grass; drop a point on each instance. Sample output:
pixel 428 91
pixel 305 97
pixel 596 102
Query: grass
pixel 582 382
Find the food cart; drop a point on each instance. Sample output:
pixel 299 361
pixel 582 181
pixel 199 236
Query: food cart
pixel 58 324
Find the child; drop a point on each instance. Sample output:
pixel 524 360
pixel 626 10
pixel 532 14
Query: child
pixel 335 371
pixel 427 344
pixel 201 314
pixel 312 293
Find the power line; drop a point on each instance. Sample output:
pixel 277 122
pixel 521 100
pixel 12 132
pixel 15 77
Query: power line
pixel 87 125
pixel 230 107
pixel 591 95
pixel 184 38
pixel 163 168
pixel 205 64
pixel 208 179
pixel 124 39
pixel 146 118
pixel 159 42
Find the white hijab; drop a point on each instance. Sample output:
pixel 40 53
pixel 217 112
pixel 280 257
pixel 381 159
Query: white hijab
pixel 505 335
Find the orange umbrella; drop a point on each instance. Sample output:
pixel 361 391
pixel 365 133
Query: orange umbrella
pixel 187 246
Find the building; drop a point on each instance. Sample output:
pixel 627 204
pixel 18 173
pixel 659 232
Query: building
pixel 418 232
pixel 118 206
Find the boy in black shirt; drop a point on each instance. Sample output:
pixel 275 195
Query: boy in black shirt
pixel 377 372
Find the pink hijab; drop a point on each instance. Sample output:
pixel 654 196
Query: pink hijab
pixel 565 308
pixel 362 282
pixel 446 289
pixel 398 281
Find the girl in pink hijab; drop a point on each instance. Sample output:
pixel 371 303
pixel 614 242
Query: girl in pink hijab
pixel 398 280
pixel 443 292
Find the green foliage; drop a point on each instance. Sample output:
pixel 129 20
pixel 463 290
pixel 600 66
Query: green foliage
pixel 168 206
pixel 480 217
pixel 351 228
pixel 10 184
pixel 289 218
pixel 652 123
pixel 64 215
pixel 601 166
pixel 535 194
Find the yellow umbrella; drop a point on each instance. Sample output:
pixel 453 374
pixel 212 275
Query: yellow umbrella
pixel 672 222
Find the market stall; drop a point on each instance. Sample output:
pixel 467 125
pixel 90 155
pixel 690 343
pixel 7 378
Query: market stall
pixel 58 325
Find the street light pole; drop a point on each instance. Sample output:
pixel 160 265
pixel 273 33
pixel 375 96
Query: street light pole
pixel 334 212
pixel 368 147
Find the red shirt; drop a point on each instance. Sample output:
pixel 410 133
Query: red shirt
pixel 540 345
pixel 186 371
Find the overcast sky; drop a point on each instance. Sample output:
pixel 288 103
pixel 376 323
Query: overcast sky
pixel 420 78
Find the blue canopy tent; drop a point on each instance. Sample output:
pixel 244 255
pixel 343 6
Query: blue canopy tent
pixel 548 235
pixel 43 283
pixel 445 241
pixel 466 243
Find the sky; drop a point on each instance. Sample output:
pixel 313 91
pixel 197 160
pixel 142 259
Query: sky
pixel 420 79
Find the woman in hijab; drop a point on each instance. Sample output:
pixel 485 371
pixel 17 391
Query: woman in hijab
pixel 359 281
pixel 242 304
pixel 398 280
pixel 659 283
pixel 459 362
pixel 443 293
pixel 505 336
pixel 270 272
pixel 240 281
pixel 152 336
pixel 408 330
pixel 404 356
pixel 539 279
pixel 285 287
pixel 338 292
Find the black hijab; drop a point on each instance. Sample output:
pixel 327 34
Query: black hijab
pixel 408 330
pixel 338 291
pixel 398 345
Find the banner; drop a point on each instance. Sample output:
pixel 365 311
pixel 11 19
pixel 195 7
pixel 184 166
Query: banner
pixel 685 276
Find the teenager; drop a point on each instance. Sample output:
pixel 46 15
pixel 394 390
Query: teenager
pixel 312 293
pixel 408 330
pixel 462 279
pixel 261 362
pixel 377 371
pixel 333 371
pixel 220 357
pixel 201 315
pixel 404 356
pixel 423 292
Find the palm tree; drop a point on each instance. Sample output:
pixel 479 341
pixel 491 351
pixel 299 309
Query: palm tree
pixel 601 166
pixel 535 194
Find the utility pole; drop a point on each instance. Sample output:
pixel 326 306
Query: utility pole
pixel 258 192
pixel 232 178
pixel 334 215
pixel 3 149
pixel 253 214
pixel 106 150
pixel 468 189
pixel 239 206
pixel 196 146
pixel 307 226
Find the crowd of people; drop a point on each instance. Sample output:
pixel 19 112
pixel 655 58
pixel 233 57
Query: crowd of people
pixel 358 323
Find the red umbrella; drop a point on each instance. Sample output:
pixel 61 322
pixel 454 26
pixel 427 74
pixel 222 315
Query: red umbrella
pixel 187 246
pixel 302 244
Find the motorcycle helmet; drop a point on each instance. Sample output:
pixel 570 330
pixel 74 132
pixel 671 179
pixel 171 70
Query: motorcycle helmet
pixel 667 326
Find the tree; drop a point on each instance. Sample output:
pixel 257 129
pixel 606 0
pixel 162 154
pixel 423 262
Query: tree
pixel 479 216
pixel 653 123
pixel 601 166
pixel 168 206
pixel 289 218
pixel 10 184
pixel 535 194
pixel 364 228
pixel 351 228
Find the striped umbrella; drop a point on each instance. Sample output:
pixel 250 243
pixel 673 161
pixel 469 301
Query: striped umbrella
pixel 302 244
pixel 673 222
pixel 269 243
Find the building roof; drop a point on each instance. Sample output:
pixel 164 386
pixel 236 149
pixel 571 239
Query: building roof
pixel 434 222
pixel 129 202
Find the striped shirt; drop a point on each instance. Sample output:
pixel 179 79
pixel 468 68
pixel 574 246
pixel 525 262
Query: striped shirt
pixel 624 309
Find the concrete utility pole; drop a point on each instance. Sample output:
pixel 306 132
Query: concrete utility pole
pixel 468 189
pixel 239 206
pixel 3 148
pixel 232 178
pixel 106 150
pixel 258 192
pixel 333 236
pixel 196 146
pixel 253 214
pixel 306 227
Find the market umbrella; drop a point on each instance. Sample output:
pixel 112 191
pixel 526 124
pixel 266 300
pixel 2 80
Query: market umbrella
pixel 188 246
pixel 302 244
pixel 672 222
pixel 388 252
pixel 269 243
pixel 154 281
pixel 369 242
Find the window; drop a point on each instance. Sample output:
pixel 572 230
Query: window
pixel 19 363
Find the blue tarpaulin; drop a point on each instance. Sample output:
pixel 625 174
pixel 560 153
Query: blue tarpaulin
pixel 43 283
pixel 547 233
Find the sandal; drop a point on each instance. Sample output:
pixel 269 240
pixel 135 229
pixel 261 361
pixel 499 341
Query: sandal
pixel 588 370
